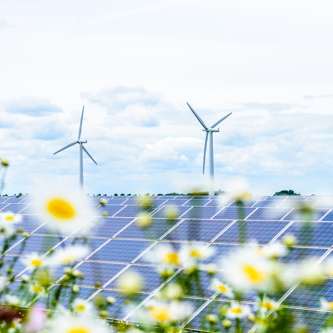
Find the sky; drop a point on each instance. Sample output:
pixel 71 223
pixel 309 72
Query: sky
pixel 134 65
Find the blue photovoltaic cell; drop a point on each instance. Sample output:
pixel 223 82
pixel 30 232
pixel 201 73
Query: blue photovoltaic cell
pixel 157 228
pixel 310 296
pixel 15 208
pixel 161 212
pixel 220 251
pixel 320 235
pixel 110 209
pixel 109 226
pixel 98 272
pixel 2 206
pixel 317 215
pixel 261 231
pixel 3 199
pixel 328 217
pixel 200 213
pixel 29 223
pixel 129 211
pixel 199 230
pixel 267 203
pixel 314 320
pixel 117 200
pixel 216 203
pixel 13 200
pixel 123 306
pixel 197 202
pixel 120 250
pixel 231 213
pixel 298 254
pixel 149 274
pixel 178 202
pixel 269 214
pixel 34 243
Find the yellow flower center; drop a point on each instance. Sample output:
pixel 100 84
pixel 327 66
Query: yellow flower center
pixel 236 310
pixel 330 305
pixel 80 307
pixel 160 313
pixel 253 274
pixel 67 259
pixel 36 262
pixel 61 209
pixel 172 258
pixel 9 217
pixel 267 305
pixel 37 289
pixel 196 253
pixel 222 288
pixel 78 330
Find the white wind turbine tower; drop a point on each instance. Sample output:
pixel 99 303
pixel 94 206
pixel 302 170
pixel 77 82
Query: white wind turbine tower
pixel 209 132
pixel 80 142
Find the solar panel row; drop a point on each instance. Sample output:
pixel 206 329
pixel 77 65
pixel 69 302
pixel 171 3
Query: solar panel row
pixel 117 244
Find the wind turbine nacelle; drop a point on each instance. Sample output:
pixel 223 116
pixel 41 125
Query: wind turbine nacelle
pixel 80 141
pixel 211 130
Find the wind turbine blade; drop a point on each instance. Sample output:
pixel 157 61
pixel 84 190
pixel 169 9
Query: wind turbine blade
pixel 86 151
pixel 70 145
pixel 79 137
pixel 221 120
pixel 204 157
pixel 197 116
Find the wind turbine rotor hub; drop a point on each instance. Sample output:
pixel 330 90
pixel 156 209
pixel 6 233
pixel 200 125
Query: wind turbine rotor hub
pixel 211 130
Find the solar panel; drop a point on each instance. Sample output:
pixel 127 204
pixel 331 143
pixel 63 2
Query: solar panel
pixel 118 245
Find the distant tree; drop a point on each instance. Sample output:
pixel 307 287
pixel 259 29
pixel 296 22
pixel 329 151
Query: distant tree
pixel 115 194
pixel 219 192
pixel 286 192
pixel 197 193
pixel 105 195
pixel 122 194
pixel 129 194
pixel 147 194
pixel 160 194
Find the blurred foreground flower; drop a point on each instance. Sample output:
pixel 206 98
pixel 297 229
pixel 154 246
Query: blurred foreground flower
pixel 69 255
pixel 36 319
pixel 66 210
pixel 130 283
pixel 34 261
pixel 66 323
pixel 238 310
pixel 10 217
pixel 222 288
pixel 164 313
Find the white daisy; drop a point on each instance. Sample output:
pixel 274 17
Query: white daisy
pixel 222 288
pixel 37 290
pixel 3 283
pixel 266 304
pixel 165 313
pixel 10 217
pixel 35 261
pixel 69 255
pixel 195 252
pixel 12 300
pixel 66 210
pixel 6 229
pixel 244 269
pixel 130 283
pixel 238 310
pixel 325 305
pixel 76 324
pixel 274 251
pixel 82 306
pixel 164 254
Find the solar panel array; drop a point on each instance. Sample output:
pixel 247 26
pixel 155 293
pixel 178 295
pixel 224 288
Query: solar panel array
pixel 118 245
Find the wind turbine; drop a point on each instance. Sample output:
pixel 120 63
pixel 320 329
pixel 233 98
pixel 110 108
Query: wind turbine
pixel 209 132
pixel 82 148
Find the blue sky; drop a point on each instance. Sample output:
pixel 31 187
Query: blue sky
pixel 135 64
